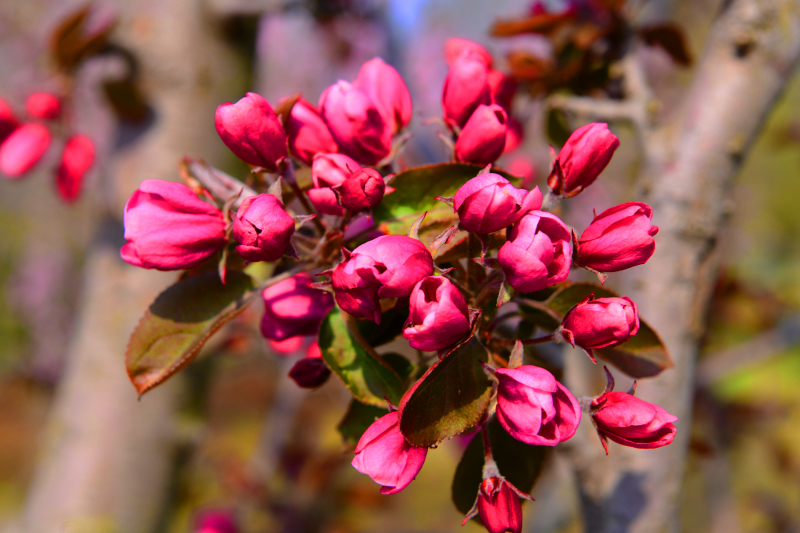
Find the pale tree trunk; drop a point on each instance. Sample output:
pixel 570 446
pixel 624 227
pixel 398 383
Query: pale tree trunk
pixel 106 459
pixel 688 171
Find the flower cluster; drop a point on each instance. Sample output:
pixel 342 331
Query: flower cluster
pixel 23 143
pixel 347 146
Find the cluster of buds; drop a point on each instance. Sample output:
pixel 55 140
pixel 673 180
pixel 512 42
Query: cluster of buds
pixel 24 143
pixel 476 99
pixel 346 142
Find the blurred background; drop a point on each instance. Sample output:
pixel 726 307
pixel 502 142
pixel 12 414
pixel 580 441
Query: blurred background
pixel 232 441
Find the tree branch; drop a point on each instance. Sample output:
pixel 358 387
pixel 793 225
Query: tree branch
pixel 688 172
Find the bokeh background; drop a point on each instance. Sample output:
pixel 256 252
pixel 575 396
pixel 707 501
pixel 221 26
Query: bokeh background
pixel 233 434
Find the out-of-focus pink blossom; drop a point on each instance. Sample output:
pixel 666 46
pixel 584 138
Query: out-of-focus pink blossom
pixel 308 133
pixel 514 135
pixel 387 90
pixel 292 308
pixel 384 455
pixel 502 89
pixel 216 522
pixel 252 130
pixel 169 228
pixel 356 123
pixel 456 46
pixel 22 149
pixel 465 88
pixel 8 122
pixel 262 228
pixel 76 160
pixel 43 105
pixel 311 371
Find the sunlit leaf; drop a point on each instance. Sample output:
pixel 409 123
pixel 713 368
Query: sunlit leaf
pixel 179 322
pixel 368 378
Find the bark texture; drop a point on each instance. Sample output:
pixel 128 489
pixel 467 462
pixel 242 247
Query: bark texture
pixel 106 461
pixel 690 163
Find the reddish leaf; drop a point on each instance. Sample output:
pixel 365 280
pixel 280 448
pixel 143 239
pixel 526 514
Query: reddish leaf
pixel 179 322
pixel 542 23
pixel 671 38
pixel 450 398
pixel 70 44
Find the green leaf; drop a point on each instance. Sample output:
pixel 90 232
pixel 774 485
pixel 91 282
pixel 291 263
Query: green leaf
pixel 415 192
pixel 569 296
pixel 368 378
pixel 358 418
pixel 450 398
pixel 643 356
pixel 179 322
pixel 399 364
pixel 518 462
pixel 557 129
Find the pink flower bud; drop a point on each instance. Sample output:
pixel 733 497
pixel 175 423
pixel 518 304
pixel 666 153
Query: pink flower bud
pixel 329 170
pixel 252 130
pixel 292 308
pixel 502 89
pixel 169 228
pixel 618 238
pixel 362 191
pixel 489 203
pixel 43 105
pixel 584 156
pixel 438 315
pixel 465 88
pixel 23 148
pixel 534 408
pixel 262 228
pixel 456 46
pixel 600 323
pixel 356 123
pixel 311 371
pixel 387 90
pixel 499 507
pixel 483 137
pixel 537 252
pixel 308 134
pixel 75 162
pixel 8 122
pixel 383 454
pixel 386 267
pixel 627 420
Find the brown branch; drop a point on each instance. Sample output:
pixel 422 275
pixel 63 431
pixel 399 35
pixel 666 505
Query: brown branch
pixel 687 175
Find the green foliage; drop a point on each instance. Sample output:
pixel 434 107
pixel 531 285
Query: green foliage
pixel 358 418
pixel 368 378
pixel 179 322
